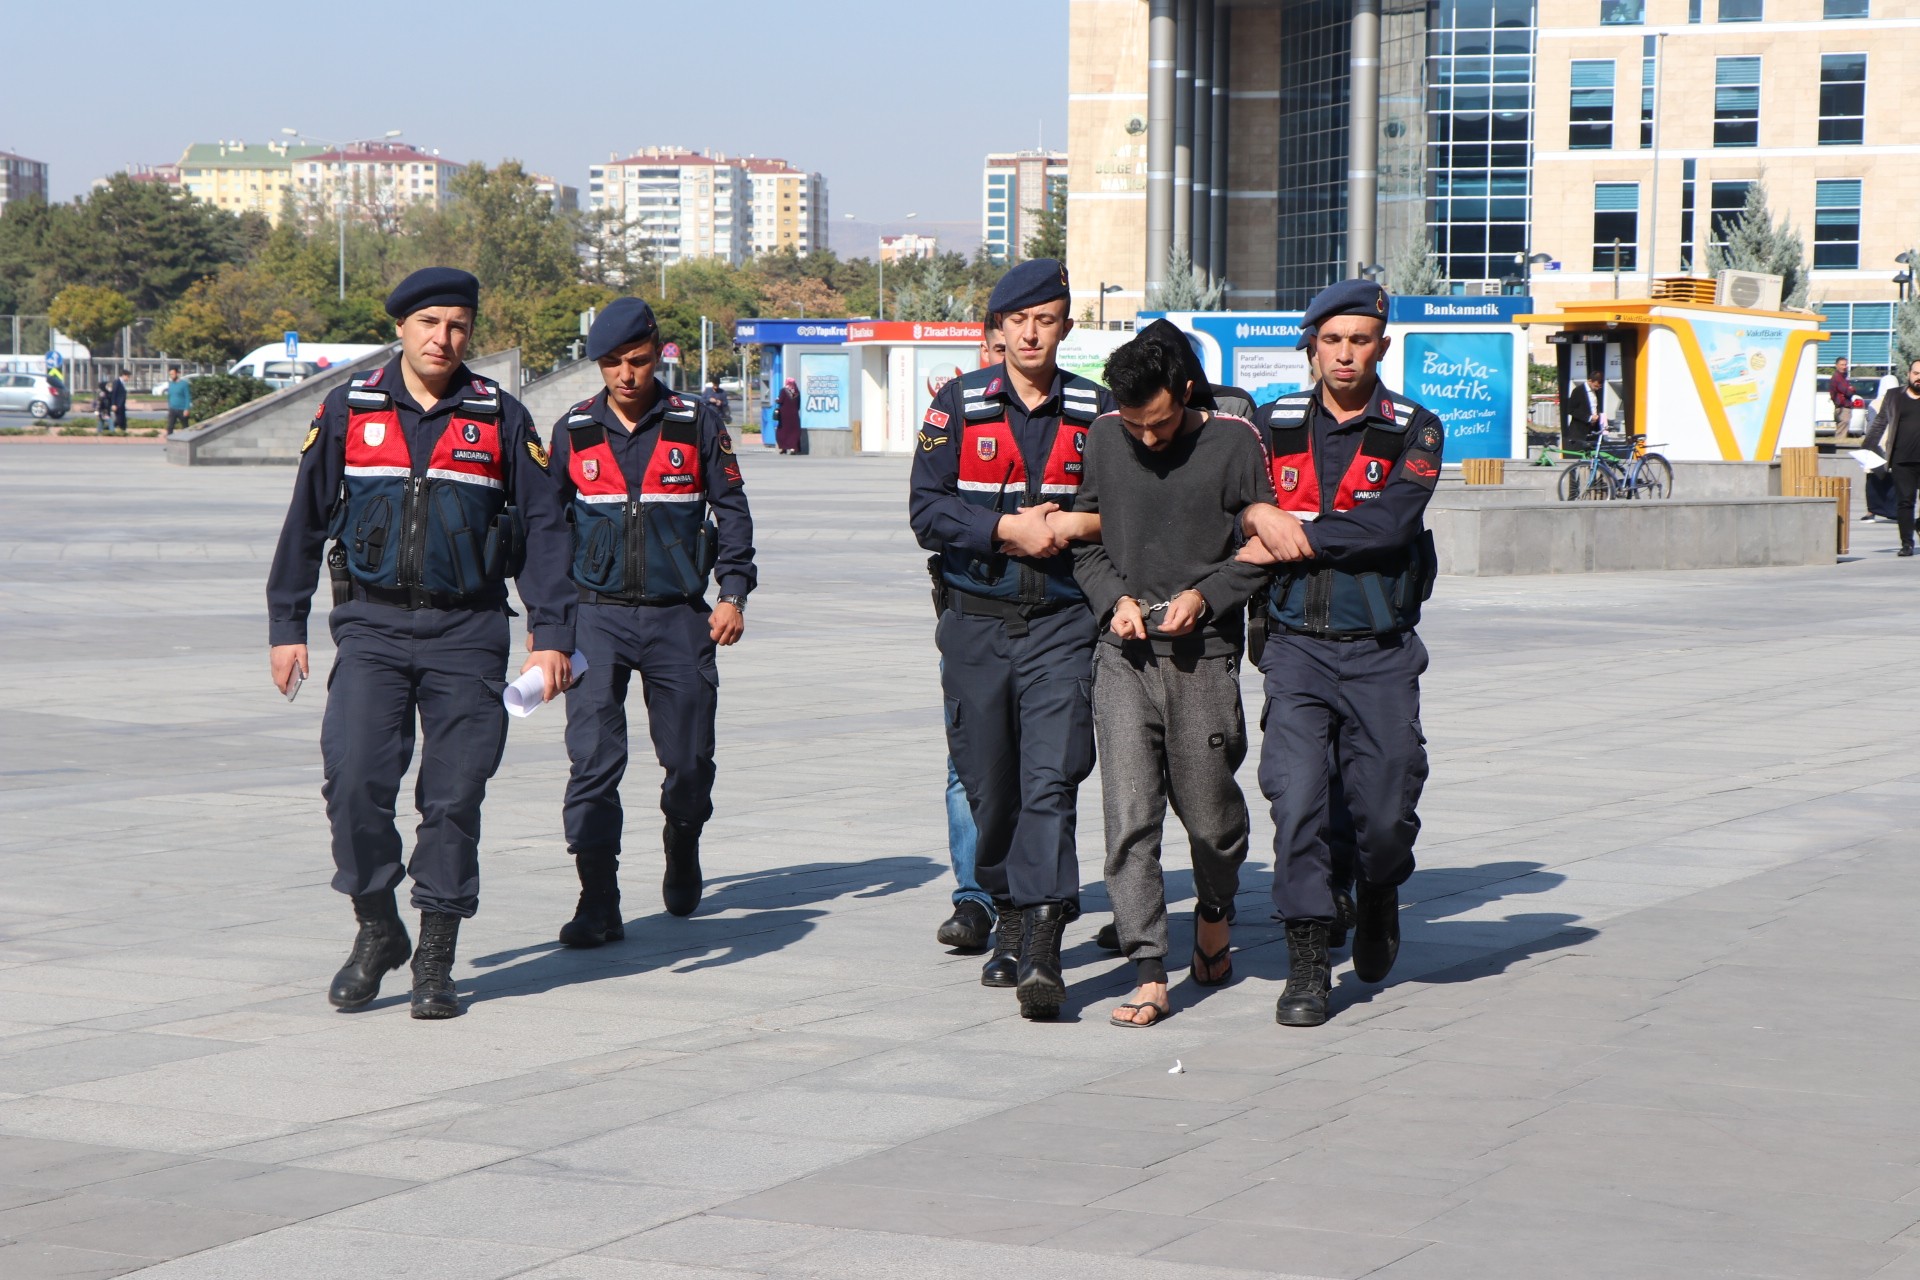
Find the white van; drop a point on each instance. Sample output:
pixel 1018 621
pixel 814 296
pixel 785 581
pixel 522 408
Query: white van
pixel 271 365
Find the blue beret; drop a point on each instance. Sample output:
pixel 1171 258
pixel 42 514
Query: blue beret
pixel 433 287
pixel 1348 298
pixel 1033 282
pixel 620 322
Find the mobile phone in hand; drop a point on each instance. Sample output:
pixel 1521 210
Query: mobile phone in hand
pixel 294 682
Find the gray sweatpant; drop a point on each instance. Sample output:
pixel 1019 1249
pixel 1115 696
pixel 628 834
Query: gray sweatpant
pixel 1168 730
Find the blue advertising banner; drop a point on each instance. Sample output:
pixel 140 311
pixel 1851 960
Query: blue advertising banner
pixel 1467 379
pixel 790 332
pixel 824 393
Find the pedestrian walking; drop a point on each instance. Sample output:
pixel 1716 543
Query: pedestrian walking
pixel 417 471
pixel 103 407
pixel 970 926
pixel 1840 391
pixel 659 510
pixel 1900 445
pixel 994 479
pixel 716 399
pixel 117 398
pixel 1353 466
pixel 179 401
pixel 1171 484
pixel 786 418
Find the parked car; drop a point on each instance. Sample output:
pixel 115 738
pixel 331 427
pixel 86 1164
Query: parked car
pixel 1823 408
pixel 160 388
pixel 33 393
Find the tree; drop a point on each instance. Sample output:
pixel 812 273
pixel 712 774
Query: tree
pixel 1413 271
pixel 92 314
pixel 227 315
pixel 935 289
pixel 1049 238
pixel 1756 243
pixel 1183 290
pixel 1906 330
pixel 142 239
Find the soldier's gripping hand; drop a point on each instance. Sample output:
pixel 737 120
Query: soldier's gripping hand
pixel 1027 533
pixel 284 660
pixel 726 624
pixel 1281 532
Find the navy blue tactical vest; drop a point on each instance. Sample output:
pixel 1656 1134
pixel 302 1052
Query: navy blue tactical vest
pixel 1377 596
pixel 430 524
pixel 645 537
pixel 993 474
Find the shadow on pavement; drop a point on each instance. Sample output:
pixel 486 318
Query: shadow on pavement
pixel 774 910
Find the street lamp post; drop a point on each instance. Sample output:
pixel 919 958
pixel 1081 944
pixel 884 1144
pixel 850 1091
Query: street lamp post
pixel 880 260
pixel 1905 278
pixel 1105 289
pixel 339 204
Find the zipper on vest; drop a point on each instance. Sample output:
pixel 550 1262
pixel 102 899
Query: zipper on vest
pixel 413 549
pixel 635 579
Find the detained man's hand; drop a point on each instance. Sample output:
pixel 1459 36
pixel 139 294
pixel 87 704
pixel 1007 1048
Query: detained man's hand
pixel 1027 533
pixel 1183 613
pixel 1128 622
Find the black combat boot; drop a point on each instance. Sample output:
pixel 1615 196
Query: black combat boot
pixel 1002 968
pixel 969 928
pixel 433 995
pixel 1042 989
pixel 1342 918
pixel 1304 1002
pixel 596 920
pixel 380 947
pixel 681 887
pixel 1376 932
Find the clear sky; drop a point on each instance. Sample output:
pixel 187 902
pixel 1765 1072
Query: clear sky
pixel 895 101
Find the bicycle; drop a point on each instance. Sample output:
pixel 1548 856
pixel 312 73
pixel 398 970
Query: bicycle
pixel 1603 475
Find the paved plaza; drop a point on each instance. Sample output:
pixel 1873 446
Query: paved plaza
pixel 1655 1016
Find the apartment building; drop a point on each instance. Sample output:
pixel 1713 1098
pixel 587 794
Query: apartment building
pixel 1014 187
pixel 677 204
pixel 787 208
pixel 21 178
pixel 373 180
pixel 241 177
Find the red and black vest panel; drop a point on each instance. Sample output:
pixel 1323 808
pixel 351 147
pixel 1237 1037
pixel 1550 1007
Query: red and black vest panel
pixel 994 474
pixel 1379 597
pixel 433 524
pixel 644 538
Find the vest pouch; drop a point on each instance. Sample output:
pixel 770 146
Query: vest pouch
pixel 673 551
pixel 600 555
pixel 507 545
pixel 370 535
pixel 456 557
pixel 709 551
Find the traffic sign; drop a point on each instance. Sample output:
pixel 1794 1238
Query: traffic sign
pixel 670 353
pixel 55 360
pixel 293 344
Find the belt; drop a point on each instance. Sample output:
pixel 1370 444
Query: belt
pixel 414 598
pixel 987 607
pixel 631 602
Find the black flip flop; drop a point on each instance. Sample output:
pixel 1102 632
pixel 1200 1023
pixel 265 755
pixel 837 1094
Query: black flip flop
pixel 1160 1013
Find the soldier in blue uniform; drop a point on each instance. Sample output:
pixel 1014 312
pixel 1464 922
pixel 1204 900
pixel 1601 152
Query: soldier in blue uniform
pixel 998 463
pixel 1353 467
pixel 642 468
pixel 417 471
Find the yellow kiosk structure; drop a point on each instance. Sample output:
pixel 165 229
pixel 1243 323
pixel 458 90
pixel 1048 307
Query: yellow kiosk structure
pixel 1704 383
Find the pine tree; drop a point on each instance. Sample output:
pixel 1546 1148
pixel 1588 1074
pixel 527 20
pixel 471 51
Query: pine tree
pixel 1183 290
pixel 1413 271
pixel 1756 243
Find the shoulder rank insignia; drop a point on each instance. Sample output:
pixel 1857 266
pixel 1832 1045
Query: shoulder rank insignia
pixel 726 443
pixel 538 454
pixel 313 433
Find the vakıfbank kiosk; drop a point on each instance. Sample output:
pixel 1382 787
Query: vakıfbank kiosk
pixel 1703 383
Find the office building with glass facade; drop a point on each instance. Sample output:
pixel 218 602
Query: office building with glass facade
pixel 1546 146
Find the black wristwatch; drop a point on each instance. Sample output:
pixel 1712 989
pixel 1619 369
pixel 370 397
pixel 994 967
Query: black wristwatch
pixel 738 602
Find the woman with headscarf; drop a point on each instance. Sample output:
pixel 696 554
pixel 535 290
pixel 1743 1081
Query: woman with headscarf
pixel 786 415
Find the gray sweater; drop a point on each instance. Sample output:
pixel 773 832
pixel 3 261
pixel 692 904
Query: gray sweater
pixel 1170 521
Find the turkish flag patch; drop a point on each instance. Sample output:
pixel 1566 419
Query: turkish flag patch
pixel 936 419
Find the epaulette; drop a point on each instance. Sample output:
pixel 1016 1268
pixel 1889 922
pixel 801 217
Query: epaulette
pixel 1079 399
pixel 680 409
pixel 1287 411
pixel 979 388
pixel 481 398
pixel 364 391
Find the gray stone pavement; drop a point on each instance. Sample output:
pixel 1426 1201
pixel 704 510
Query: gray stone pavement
pixel 1655 1016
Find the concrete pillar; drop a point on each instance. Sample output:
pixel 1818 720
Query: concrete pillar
pixel 1217 135
pixel 1202 133
pixel 1183 129
pixel 1363 138
pixel 1160 49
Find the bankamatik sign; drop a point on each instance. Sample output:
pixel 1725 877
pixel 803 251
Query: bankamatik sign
pixel 1467 379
